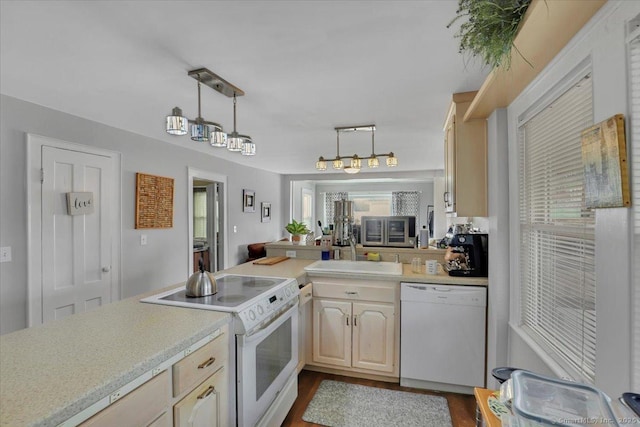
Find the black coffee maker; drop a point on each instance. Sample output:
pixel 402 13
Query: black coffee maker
pixel 474 250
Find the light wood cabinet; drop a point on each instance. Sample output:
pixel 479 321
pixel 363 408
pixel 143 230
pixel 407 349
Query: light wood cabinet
pixel 305 327
pixel 206 404
pixel 373 336
pixel 192 385
pixel 332 332
pixel 141 407
pixel 465 148
pixel 193 369
pixel 354 326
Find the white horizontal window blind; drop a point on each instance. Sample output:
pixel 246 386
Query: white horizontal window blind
pixel 557 258
pixel 634 66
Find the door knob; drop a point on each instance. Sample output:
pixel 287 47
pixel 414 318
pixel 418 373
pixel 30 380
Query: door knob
pixel 106 269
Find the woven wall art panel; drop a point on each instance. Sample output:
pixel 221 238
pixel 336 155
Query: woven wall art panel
pixel 154 201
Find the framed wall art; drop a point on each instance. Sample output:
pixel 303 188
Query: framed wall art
pixel 154 201
pixel 265 209
pixel 604 158
pixel 248 201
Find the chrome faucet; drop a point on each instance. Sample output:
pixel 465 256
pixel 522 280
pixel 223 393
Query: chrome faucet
pixel 352 246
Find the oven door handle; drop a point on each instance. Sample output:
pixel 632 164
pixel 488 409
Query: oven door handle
pixel 270 327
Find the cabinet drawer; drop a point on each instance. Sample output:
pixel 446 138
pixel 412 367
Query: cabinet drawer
pixel 203 362
pixel 369 292
pixel 206 404
pixel 138 408
pixel 306 294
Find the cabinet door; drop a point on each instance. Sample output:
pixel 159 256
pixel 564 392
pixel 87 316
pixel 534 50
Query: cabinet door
pixel 373 335
pixel 450 167
pixel 207 404
pixel 332 332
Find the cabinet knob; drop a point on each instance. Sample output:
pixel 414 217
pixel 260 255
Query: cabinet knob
pixel 106 269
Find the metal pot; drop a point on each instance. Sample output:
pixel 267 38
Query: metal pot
pixel 201 283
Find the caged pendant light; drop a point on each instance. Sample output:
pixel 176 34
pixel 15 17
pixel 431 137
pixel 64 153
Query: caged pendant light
pixel 355 164
pixel 206 131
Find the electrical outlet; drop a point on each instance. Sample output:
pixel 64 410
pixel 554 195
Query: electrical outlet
pixel 5 254
pixel 143 239
pixel 115 396
pixel 235 228
pixel 290 254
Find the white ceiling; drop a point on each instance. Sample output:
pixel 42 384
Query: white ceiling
pixel 305 67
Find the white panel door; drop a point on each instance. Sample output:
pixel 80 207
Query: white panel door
pixel 76 250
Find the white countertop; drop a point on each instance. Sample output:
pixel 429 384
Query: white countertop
pixel 51 372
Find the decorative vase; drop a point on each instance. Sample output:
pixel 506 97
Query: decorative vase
pixel 296 238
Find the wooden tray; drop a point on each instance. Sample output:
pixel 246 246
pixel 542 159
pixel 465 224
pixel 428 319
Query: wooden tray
pixel 271 260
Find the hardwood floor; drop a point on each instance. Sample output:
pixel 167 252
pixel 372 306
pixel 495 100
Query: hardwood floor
pixel 461 406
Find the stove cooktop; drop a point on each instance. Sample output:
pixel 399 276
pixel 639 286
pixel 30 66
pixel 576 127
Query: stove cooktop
pixel 233 291
pixel 252 299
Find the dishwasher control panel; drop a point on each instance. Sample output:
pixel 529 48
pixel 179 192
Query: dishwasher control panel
pixel 443 294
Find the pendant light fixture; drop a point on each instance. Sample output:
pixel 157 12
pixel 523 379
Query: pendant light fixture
pixel 203 130
pixel 176 123
pixel 355 164
pixel 237 142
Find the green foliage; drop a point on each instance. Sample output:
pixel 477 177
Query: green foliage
pixel 295 227
pixel 490 28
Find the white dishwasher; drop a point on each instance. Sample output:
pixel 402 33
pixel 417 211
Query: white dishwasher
pixel 442 336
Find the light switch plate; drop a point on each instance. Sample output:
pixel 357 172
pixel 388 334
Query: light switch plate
pixel 5 254
pixel 143 239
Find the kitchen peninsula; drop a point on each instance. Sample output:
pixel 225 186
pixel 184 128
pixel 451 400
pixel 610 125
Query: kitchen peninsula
pixel 52 372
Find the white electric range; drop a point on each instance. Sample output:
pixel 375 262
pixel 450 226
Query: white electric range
pixel 265 321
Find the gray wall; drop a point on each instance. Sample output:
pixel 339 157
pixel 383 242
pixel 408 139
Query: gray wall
pixel 164 260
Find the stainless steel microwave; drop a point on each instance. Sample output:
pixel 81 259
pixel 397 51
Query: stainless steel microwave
pixel 392 231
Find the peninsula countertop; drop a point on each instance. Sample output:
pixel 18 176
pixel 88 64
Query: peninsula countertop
pixel 49 373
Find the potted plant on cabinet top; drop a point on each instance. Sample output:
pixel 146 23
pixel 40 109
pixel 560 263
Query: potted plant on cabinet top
pixel 297 229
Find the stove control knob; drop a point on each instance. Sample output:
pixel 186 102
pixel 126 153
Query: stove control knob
pixel 287 292
pixel 252 315
pixel 260 310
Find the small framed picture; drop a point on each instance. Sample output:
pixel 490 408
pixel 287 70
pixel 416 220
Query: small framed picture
pixel 248 201
pixel 265 208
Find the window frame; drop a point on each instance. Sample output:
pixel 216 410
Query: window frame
pixel 535 106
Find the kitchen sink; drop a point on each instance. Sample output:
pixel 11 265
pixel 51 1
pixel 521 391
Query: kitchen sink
pixel 356 267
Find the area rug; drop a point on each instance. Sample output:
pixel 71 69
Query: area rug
pixel 338 404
